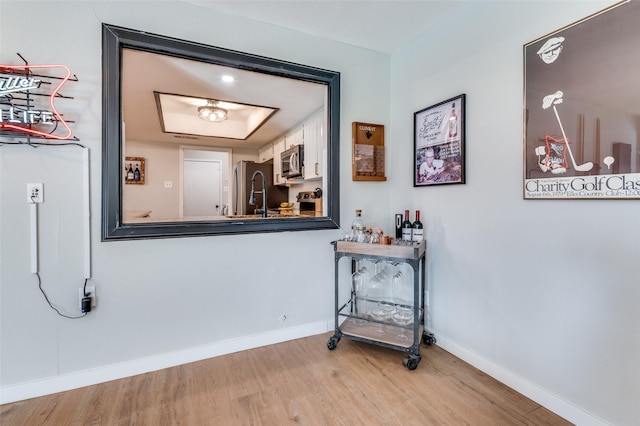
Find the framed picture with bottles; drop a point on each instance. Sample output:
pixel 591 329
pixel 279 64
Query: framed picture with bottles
pixel 134 170
pixel 439 138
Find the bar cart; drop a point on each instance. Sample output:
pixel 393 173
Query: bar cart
pixel 390 317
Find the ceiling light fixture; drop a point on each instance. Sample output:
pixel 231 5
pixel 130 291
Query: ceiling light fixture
pixel 212 112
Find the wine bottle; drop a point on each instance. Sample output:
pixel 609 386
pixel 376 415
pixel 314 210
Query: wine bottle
pixel 453 123
pixel 418 228
pixel 136 174
pixel 407 227
pixel 130 173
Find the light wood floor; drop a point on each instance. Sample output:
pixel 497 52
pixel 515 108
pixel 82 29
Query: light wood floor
pixel 294 382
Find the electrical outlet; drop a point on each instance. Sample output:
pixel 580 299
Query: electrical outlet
pixel 35 193
pixel 91 292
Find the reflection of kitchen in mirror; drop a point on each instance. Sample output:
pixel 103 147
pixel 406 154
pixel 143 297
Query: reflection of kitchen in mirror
pixel 198 122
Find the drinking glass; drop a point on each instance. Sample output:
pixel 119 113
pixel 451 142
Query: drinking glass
pixel 379 283
pixel 360 287
pixel 397 282
pixel 403 316
pixel 365 273
pixel 375 284
pixel 382 312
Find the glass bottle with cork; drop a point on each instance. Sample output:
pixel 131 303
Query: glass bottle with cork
pixel 407 227
pixel 358 228
pixel 453 122
pixel 418 229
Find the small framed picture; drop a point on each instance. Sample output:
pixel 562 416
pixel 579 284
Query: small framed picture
pixel 134 170
pixel 438 149
pixel 368 161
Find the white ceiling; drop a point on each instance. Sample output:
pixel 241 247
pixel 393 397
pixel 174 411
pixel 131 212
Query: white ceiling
pixel 386 25
pixel 380 25
pixel 144 73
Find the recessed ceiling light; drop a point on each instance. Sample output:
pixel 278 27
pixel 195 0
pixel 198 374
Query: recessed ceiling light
pixel 228 78
pixel 187 115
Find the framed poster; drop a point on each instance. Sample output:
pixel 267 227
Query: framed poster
pixel 582 109
pixel 438 148
pixel 134 170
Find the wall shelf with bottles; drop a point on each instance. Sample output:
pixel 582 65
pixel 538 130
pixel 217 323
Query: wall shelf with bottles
pixel 382 308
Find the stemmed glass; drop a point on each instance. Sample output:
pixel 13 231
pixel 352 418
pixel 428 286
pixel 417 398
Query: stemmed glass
pixel 359 280
pixel 365 273
pixel 397 282
pixel 382 312
pixel 403 316
pixel 380 281
pixel 375 284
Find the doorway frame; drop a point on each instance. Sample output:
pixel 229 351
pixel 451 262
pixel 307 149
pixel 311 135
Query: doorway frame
pixel 229 165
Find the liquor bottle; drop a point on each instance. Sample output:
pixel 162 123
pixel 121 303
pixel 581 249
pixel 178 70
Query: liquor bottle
pixel 453 122
pixel 358 228
pixel 407 228
pixel 130 173
pixel 418 228
pixel 136 174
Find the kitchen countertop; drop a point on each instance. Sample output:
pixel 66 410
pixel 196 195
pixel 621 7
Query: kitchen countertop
pixel 138 219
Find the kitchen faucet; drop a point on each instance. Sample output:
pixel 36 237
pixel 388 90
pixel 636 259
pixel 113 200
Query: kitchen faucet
pixel 252 197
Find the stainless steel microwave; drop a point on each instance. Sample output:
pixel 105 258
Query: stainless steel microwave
pixel 292 161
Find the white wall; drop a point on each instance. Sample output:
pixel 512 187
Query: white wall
pixel 159 301
pixel 557 316
pixel 163 202
pixel 563 330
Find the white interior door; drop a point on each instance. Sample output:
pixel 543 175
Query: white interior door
pixel 201 188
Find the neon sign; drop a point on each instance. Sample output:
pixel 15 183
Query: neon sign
pixel 17 113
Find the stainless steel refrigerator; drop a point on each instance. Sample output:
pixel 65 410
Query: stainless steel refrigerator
pixel 241 188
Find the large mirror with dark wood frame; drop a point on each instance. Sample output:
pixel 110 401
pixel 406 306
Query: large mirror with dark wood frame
pixel 201 140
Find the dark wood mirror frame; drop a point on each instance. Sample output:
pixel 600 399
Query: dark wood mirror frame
pixel 114 40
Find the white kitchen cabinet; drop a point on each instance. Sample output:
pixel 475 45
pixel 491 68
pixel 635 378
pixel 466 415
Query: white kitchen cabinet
pixel 278 148
pixel 314 145
pixel 295 137
pixel 312 129
pixel 265 153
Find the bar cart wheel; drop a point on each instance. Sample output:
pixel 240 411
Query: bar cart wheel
pixel 412 361
pixel 428 338
pixel 333 342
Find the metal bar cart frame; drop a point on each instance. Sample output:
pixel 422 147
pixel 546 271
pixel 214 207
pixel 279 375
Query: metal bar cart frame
pixel 413 255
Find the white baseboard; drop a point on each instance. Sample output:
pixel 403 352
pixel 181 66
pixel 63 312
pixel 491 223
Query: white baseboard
pixel 94 376
pixel 532 391
pixel 33 389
